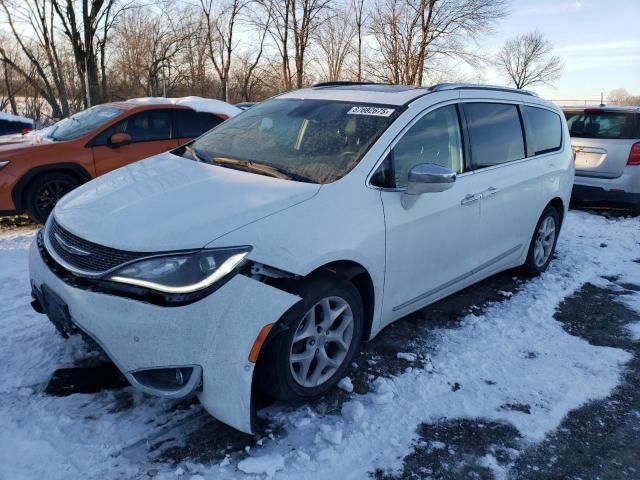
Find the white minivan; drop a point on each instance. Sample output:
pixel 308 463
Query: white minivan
pixel 252 262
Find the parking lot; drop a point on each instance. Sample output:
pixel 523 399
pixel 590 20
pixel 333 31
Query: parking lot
pixel 511 378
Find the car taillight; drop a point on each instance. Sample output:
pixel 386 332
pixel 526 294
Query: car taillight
pixel 634 155
pixel 24 131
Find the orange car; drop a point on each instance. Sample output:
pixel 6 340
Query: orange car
pixel 36 170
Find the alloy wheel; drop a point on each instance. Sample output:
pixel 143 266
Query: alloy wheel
pixel 321 341
pixel 545 239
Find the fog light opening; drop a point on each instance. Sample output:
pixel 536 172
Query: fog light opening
pixel 164 379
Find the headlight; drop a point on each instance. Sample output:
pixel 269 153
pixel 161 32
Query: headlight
pixel 182 272
pixel 4 163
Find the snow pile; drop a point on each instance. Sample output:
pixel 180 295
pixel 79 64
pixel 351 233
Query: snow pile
pixel 346 385
pixel 268 464
pixel 15 118
pixel 409 357
pixel 199 104
pixel 515 353
pixel 352 411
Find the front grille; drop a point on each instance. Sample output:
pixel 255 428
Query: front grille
pixel 99 259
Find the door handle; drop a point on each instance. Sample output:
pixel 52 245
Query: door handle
pixel 489 191
pixel 469 199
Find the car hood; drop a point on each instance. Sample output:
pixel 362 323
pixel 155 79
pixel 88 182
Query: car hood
pixel 11 143
pixel 171 203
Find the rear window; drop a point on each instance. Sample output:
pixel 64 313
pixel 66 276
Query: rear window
pixel 545 128
pixel 601 124
pixel 496 133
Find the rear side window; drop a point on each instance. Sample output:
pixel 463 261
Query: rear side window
pixel 601 124
pixel 194 124
pixel 545 129
pixel 495 132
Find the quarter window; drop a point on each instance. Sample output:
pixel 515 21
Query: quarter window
pixel 435 138
pixel 496 133
pixel 545 128
pixel 193 124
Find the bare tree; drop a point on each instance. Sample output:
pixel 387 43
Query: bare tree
pixel 31 24
pixel 360 17
pixel 221 23
pixel 146 50
pixel 335 40
pixel 527 60
pixel 305 19
pixel 86 24
pixel 249 60
pixel 411 32
pixel 294 23
pixel 621 96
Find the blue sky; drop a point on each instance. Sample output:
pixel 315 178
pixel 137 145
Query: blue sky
pixel 598 40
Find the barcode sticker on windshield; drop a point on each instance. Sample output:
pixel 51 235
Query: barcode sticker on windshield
pixel 375 111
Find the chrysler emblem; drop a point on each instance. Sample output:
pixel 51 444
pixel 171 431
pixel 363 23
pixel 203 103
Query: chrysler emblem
pixel 70 248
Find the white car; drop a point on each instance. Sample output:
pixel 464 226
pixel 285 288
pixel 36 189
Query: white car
pixel 253 261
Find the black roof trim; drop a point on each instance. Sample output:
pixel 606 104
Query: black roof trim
pixel 344 83
pixel 470 86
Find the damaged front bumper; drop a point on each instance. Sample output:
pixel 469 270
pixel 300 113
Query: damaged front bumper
pixel 172 351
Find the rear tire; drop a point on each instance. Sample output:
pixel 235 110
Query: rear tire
pixel 320 337
pixel 45 191
pixel 543 243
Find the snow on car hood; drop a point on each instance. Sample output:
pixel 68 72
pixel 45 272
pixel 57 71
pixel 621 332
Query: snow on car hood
pixel 23 141
pixel 171 203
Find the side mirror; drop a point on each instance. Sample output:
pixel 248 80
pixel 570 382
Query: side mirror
pixel 427 178
pixel 119 140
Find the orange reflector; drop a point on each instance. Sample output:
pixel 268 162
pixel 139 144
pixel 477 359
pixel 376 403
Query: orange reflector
pixel 257 345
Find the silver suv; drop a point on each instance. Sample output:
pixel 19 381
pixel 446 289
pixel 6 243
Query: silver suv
pixel 606 143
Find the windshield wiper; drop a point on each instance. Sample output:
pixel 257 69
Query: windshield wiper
pixel 255 167
pixel 195 154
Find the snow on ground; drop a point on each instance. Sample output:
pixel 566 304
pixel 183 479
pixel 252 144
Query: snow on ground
pixel 634 330
pixel 513 354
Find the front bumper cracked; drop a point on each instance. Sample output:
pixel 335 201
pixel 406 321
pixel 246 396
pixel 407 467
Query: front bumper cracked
pixel 215 333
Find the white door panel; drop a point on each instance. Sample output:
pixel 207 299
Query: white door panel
pixel 509 209
pixel 428 245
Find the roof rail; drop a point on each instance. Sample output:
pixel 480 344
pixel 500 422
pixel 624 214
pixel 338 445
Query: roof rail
pixel 340 83
pixel 466 86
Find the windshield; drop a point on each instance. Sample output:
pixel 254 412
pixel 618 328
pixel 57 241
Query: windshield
pixel 83 122
pixel 318 141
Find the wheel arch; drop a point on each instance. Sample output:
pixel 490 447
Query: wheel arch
pixel 17 194
pixel 558 204
pixel 360 277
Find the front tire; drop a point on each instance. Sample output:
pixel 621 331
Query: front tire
pixel 320 337
pixel 45 191
pixel 543 243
